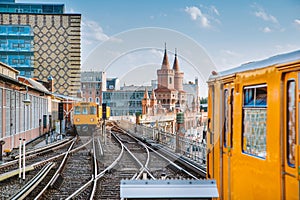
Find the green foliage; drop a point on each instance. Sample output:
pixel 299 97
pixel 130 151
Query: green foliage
pixel 203 100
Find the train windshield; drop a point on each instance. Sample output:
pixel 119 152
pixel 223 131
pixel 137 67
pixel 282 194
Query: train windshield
pixel 85 110
pixel 77 110
pixel 93 110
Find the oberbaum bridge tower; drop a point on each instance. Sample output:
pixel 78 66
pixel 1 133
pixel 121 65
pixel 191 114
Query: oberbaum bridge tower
pixel 169 94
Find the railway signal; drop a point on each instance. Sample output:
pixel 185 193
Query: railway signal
pixel 103 110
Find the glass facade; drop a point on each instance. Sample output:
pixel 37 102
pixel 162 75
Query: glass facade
pixel 32 8
pixel 16 48
pixel 124 102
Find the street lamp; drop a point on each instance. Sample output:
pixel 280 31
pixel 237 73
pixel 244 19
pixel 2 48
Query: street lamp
pixel 27 102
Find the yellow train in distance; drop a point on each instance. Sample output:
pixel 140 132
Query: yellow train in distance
pixel 87 116
pixel 253 137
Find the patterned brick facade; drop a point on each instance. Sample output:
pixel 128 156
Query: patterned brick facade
pixel 56 47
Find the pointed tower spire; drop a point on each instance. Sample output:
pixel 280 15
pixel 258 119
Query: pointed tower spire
pixel 165 63
pixel 153 97
pixel 176 65
pixel 146 95
pixel 153 102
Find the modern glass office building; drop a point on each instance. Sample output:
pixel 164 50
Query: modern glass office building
pixel 41 40
pixel 16 48
pixel 11 7
pixel 125 102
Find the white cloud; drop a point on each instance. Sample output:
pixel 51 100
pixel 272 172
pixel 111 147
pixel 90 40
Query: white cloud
pixel 267 30
pixel 297 23
pixel 196 14
pixel 230 53
pixel 93 32
pixel 262 14
pixel 214 10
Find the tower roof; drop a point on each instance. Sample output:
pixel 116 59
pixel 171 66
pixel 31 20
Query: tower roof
pixel 153 97
pixel 165 63
pixel 176 65
pixel 146 96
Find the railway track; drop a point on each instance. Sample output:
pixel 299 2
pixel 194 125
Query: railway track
pixel 10 181
pixel 75 174
pixel 94 170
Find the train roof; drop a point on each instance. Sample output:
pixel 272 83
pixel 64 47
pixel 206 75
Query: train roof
pixel 274 60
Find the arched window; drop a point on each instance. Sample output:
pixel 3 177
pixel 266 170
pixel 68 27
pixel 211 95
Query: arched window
pixel 90 99
pixel 97 100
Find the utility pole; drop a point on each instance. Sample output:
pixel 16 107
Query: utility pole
pixel 24 159
pixel 60 116
pixel 104 118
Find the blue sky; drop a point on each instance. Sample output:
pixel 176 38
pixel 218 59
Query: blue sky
pixel 230 32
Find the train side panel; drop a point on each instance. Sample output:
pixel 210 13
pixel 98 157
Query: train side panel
pixel 247 135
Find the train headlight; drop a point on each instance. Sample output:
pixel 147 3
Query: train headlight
pixel 92 119
pixel 77 120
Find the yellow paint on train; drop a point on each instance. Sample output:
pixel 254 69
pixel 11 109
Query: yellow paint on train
pixel 253 129
pixel 88 113
pixel 107 112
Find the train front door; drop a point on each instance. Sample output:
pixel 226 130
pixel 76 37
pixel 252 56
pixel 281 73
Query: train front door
pixel 290 138
pixel 228 93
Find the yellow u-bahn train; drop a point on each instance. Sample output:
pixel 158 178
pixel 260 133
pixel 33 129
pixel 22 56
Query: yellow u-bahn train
pixel 253 129
pixel 87 116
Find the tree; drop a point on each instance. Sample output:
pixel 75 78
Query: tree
pixel 203 100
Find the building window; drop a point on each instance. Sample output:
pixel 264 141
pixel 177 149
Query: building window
pixel 90 99
pixel 254 120
pixel 170 80
pixel 97 100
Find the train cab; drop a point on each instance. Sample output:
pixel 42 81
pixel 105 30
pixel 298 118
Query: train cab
pixel 85 117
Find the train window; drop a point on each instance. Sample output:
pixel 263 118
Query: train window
pixel 255 96
pixel 254 120
pixel 84 111
pixel 231 115
pixel 77 110
pixel 92 110
pixel 226 113
pixel 291 122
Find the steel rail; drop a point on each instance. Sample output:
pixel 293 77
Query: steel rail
pixel 30 167
pixel 101 174
pixel 95 170
pixel 162 156
pixel 33 183
pixel 47 147
pixel 51 182
pixel 10 163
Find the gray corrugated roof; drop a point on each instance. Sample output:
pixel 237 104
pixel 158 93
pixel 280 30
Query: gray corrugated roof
pixel 274 60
